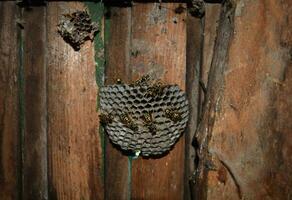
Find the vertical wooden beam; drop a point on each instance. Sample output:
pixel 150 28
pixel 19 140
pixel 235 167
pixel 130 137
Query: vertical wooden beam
pixel 212 15
pixel 9 104
pixel 35 126
pixel 74 146
pixel 194 53
pixel 117 165
pixel 213 97
pixel 158 45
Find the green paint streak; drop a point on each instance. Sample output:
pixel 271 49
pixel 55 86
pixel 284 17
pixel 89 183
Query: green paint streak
pixel 106 30
pixel 96 11
pixel 130 160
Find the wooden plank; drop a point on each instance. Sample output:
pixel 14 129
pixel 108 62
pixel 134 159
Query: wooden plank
pixel 117 165
pixel 195 38
pixel 35 134
pixel 74 146
pixel 159 46
pixel 9 107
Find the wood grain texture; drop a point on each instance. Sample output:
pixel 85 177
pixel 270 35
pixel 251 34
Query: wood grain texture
pixel 245 125
pixel 158 46
pixel 251 134
pixel 35 127
pixel 210 31
pixel 194 52
pixel 74 147
pixel 9 104
pixel 214 97
pixel 117 165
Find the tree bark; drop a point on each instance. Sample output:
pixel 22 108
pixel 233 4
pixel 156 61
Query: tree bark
pixel 244 142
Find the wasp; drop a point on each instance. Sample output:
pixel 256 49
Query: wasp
pixel 128 122
pixel 119 81
pixel 149 122
pixel 155 90
pixel 143 81
pixel 106 118
pixel 173 114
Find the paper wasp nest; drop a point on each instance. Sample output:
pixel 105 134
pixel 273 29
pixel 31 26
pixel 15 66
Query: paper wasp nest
pixel 76 28
pixel 141 122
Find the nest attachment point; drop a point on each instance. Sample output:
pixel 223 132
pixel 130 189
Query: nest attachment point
pixel 144 118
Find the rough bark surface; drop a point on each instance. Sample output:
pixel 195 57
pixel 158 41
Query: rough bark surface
pixel 210 29
pixel 213 98
pixel 194 59
pixel 245 132
pixel 249 136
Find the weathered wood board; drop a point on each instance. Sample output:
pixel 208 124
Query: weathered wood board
pixel 34 143
pixel 117 165
pixel 158 46
pixel 50 143
pixel 74 146
pixel 140 44
pixel 9 102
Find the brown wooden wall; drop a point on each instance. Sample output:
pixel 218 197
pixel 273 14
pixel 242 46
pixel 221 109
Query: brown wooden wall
pixel 234 64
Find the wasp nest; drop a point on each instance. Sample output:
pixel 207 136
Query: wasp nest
pixel 143 118
pixel 76 28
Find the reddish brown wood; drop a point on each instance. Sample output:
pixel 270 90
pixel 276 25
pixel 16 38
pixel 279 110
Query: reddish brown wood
pixel 210 31
pixel 35 134
pixel 194 52
pixel 9 104
pixel 117 168
pixel 248 117
pixel 74 146
pixel 213 100
pixel 158 45
pixel 245 135
pixel 253 138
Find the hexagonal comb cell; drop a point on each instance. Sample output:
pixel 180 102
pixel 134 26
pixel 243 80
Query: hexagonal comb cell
pixel 143 118
pixel 76 28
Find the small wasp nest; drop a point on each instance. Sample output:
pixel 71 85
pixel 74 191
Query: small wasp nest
pixel 142 117
pixel 76 28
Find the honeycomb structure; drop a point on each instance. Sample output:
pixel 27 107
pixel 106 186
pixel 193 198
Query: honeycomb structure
pixel 76 28
pixel 120 99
